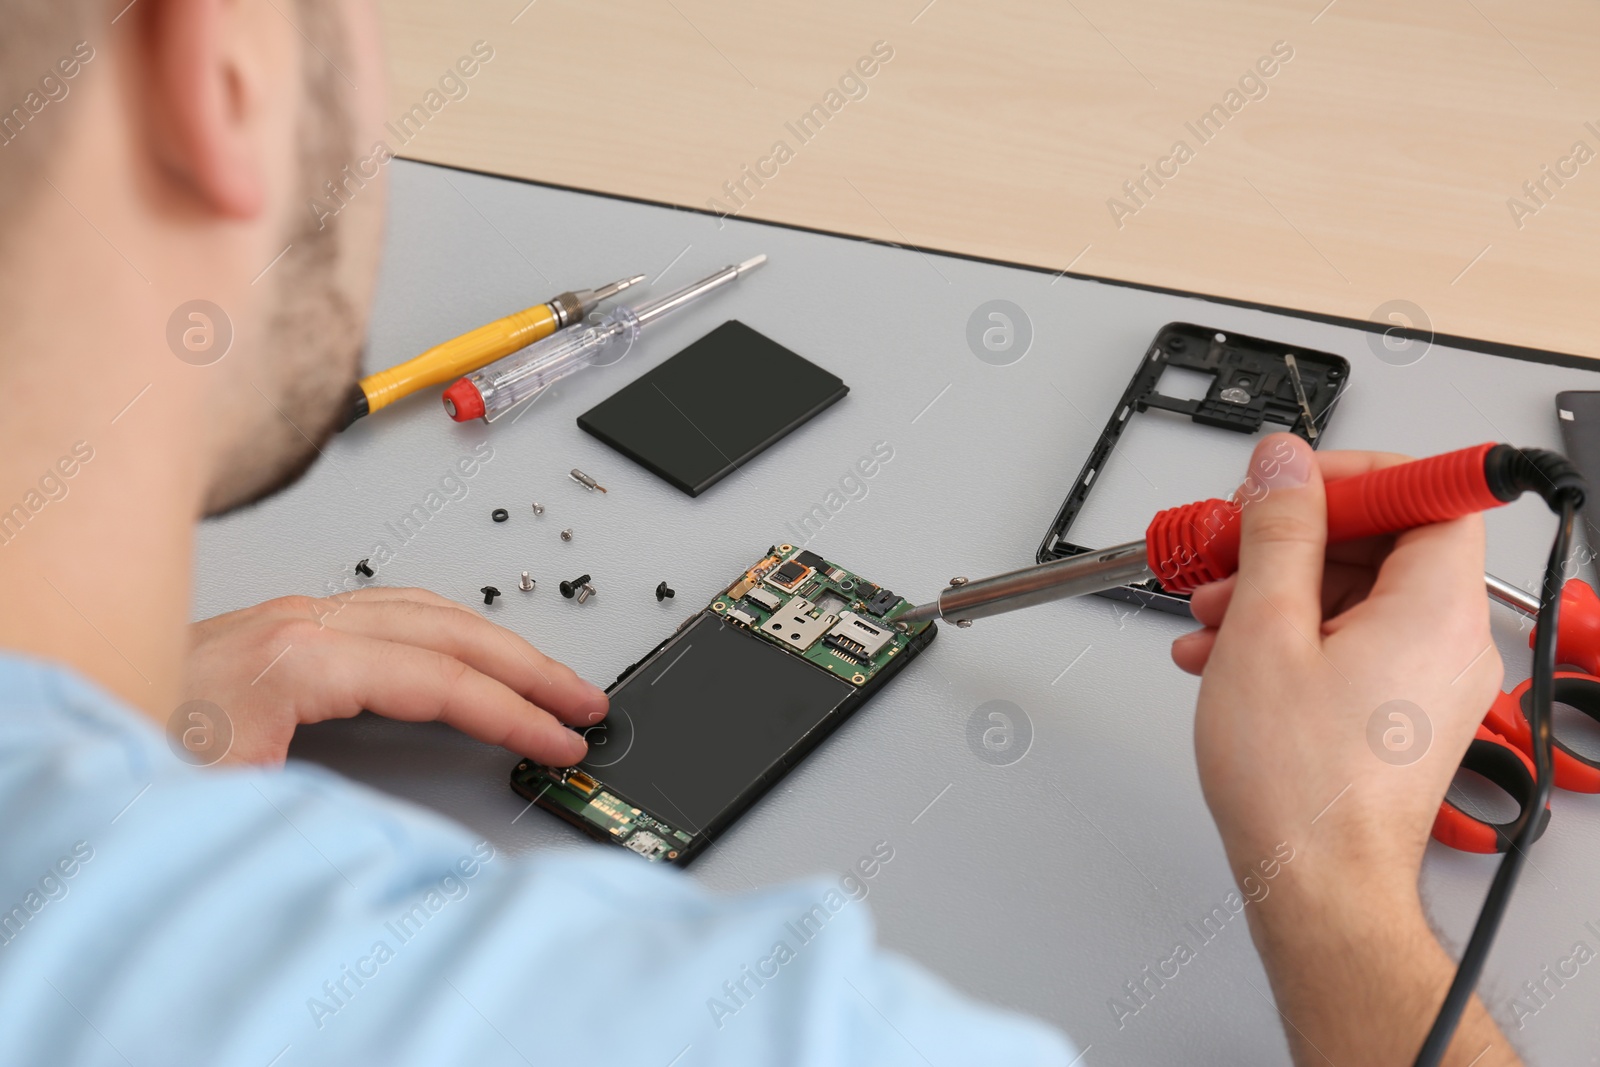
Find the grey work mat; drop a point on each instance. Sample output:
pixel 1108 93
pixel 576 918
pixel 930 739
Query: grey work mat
pixel 1044 876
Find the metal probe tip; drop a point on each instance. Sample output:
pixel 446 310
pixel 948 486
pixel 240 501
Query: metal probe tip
pixel 752 263
pixel 605 292
pixel 1091 572
pixel 1077 575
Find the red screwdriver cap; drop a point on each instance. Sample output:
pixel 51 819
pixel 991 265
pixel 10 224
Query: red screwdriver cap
pixel 463 401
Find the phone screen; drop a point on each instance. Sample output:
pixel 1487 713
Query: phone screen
pixel 705 719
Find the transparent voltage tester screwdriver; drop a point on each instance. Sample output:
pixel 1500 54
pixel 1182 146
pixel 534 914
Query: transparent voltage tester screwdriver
pixel 502 385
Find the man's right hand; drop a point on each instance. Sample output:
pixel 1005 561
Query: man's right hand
pixel 1340 688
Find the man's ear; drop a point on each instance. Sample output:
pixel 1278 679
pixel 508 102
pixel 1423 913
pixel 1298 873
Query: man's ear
pixel 208 79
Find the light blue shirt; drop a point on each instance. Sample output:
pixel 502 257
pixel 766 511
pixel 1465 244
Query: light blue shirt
pixel 155 914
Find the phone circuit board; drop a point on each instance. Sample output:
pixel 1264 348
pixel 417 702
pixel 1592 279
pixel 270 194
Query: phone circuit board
pixel 824 613
pixel 726 706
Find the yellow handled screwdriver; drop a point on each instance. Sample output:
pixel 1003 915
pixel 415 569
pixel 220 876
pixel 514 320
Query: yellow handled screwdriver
pixel 477 348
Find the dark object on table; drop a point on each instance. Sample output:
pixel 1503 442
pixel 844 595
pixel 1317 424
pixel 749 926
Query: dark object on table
pixel 713 407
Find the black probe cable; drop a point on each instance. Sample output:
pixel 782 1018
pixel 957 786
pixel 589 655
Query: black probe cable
pixel 1565 500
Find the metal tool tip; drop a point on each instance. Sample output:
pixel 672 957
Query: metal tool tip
pixel 921 613
pixel 606 292
pixel 752 263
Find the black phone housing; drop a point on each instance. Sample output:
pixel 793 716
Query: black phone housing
pixel 1252 384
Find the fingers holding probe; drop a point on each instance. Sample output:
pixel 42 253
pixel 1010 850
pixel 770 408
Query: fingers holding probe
pixel 1348 569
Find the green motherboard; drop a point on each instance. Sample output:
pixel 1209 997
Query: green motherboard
pixel 793 599
pixel 829 616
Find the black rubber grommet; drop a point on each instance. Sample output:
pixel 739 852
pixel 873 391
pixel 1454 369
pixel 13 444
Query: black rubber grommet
pixel 499 514
pixel 1512 471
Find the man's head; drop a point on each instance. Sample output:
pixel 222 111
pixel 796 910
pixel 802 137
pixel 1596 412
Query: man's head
pixel 178 146
pixel 316 318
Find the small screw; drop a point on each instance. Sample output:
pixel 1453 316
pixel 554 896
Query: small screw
pixel 566 535
pixel 489 593
pixel 964 623
pixel 585 593
pixel 902 627
pixel 499 514
pixel 662 592
pixel 364 568
pixel 527 583
pixel 538 508
pixel 568 588
pixel 586 481
pixel 956 582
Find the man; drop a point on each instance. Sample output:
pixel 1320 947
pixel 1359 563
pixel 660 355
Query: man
pixel 164 152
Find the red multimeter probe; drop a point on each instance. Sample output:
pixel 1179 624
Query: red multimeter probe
pixel 1189 546
pixel 1184 554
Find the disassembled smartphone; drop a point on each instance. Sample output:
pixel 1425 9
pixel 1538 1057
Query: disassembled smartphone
pixel 1253 381
pixel 720 711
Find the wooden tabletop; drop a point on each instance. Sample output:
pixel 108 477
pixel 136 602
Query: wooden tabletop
pixel 1434 163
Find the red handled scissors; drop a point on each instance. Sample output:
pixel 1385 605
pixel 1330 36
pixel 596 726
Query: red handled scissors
pixel 1502 750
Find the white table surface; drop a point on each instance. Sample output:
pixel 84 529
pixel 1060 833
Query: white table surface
pixel 1044 884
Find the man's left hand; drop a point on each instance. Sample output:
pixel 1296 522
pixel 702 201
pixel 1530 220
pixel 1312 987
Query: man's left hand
pixel 403 653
